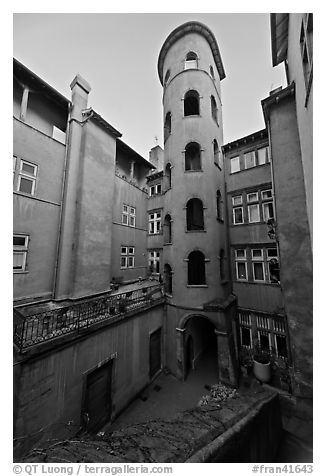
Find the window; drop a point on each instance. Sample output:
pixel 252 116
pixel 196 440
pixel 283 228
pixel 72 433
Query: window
pixel 252 197
pixel 168 175
pixel 222 264
pixel 154 261
pixel 167 126
pixel 237 215
pixel 191 60
pixel 245 337
pixel 128 215
pixel 211 70
pixel 59 135
pixel 258 269
pixel 280 346
pixel 20 243
pixel 155 189
pixel 263 155
pixel 237 200
pixel 253 213
pixel 192 156
pixel 26 177
pixel 273 265
pixel 191 103
pixel 217 153
pixel 264 340
pixel 127 259
pixel 219 206
pixel 167 232
pixel 306 46
pixel 154 223
pixel 214 109
pixel 168 279
pixel 235 164
pixel 195 215
pixel 241 264
pixel 167 76
pixel 196 268
pixel 267 206
pixel 250 159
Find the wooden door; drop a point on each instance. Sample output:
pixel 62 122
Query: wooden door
pixel 155 353
pixel 98 397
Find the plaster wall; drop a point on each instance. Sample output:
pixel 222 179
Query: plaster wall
pixel 38 215
pixel 293 237
pixel 304 109
pixel 55 380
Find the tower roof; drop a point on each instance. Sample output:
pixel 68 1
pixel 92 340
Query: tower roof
pixel 184 29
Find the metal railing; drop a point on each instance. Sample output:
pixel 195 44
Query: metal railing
pixel 50 324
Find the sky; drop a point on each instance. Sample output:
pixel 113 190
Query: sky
pixel 117 54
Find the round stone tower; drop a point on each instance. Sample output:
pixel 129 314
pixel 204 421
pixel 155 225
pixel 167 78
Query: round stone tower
pixel 190 70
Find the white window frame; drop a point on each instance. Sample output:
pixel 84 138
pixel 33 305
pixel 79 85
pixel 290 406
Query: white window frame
pixel 265 206
pixel 233 213
pixel 154 259
pixel 234 201
pixel 250 220
pixel 154 224
pixel 256 262
pixel 127 255
pixel 22 174
pixel 232 161
pixel 252 155
pixel 21 250
pixel 269 190
pixel 268 258
pixel 257 258
pixel 129 215
pixel 155 189
pixel 252 197
pixel 266 158
pixel 242 260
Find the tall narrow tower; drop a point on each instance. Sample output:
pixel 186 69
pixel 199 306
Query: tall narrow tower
pixel 195 269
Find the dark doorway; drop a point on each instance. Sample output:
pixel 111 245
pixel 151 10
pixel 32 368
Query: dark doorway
pixel 195 215
pixel 196 268
pixel 98 397
pixel 154 353
pixel 189 355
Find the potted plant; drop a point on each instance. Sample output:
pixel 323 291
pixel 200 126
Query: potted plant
pixel 262 364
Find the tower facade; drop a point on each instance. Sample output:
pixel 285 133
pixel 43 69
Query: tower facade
pixel 194 249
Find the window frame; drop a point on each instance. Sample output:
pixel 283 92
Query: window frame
pixel 240 260
pixel 25 175
pixel 232 159
pixel 128 213
pixel 156 222
pixel 127 256
pixel 252 154
pixel 249 207
pixel 21 250
pixel 233 215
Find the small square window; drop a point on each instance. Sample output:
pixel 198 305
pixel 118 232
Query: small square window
pixel 240 254
pixel 131 251
pixel 257 254
pixel 20 244
pixel 272 253
pixel 123 250
pixel 266 194
pixel 252 197
pixel 235 164
pixel 237 200
pixel 263 156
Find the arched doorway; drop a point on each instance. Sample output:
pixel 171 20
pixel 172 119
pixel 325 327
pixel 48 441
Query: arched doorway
pixel 200 349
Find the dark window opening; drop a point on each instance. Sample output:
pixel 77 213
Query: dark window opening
pixel 167 229
pixel 217 153
pixel 191 103
pixel 196 268
pixel 264 341
pixel 168 176
pixel 191 56
pixel 191 60
pixel 167 126
pixel 192 156
pixel 168 279
pixel 281 346
pixel 195 214
pixel 245 336
pixel 274 270
pixel 214 109
pixel 219 206
pixel 212 71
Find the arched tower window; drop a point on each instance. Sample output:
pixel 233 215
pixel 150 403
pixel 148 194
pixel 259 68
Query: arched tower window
pixel 167 77
pixel 167 232
pixel 168 176
pixel 219 205
pixel 196 268
pixel 217 153
pixel 167 126
pixel 191 103
pixel 195 214
pixel 211 70
pixel 192 156
pixel 214 109
pixel 222 264
pixel 191 60
pixel 168 279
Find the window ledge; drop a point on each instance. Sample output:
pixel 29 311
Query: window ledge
pixel 197 285
pixel 265 283
pixel 167 244
pixel 191 171
pixel 191 115
pixel 221 220
pixel 20 272
pixel 195 231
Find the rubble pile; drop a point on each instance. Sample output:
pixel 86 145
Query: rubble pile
pixel 218 393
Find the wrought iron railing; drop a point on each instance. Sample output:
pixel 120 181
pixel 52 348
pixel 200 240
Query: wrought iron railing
pixel 50 324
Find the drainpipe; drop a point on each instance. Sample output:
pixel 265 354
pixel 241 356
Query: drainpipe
pixel 64 278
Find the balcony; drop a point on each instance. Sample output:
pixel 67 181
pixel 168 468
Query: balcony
pixel 78 317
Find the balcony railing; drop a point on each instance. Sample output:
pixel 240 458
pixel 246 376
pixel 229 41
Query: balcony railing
pixel 48 325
